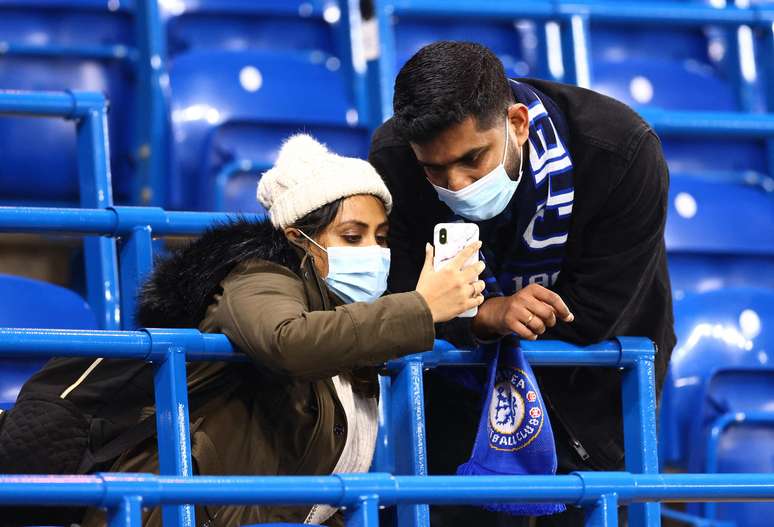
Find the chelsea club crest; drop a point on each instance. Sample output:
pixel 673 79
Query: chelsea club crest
pixel 515 411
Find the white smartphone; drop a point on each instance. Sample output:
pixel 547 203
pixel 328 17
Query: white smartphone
pixel 448 240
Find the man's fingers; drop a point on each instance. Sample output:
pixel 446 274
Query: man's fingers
pixel 542 310
pixel 459 260
pixel 522 331
pixel 530 319
pixel 555 301
pixel 536 324
pixel 520 321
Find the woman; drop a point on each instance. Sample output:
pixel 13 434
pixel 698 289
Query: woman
pixel 301 296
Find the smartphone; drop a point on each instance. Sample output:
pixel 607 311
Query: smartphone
pixel 448 240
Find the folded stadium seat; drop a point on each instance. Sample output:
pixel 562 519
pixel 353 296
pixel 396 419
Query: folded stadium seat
pixel 515 42
pixel 28 303
pixel 721 330
pixel 45 47
pixel 722 370
pixel 719 234
pixel 737 395
pixel 279 25
pixel 235 107
pixel 675 68
pixel 683 85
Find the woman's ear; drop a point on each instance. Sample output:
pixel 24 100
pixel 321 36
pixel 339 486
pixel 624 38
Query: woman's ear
pixel 292 234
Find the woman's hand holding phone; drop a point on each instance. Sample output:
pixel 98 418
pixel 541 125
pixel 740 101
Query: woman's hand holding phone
pixel 452 289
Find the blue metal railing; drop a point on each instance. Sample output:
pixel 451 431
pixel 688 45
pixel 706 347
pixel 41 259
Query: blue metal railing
pixel 124 495
pixel 88 111
pixel 136 225
pixel 600 493
pixel 402 426
pixel 152 95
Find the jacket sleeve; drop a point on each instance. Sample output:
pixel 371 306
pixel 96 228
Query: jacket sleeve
pixel 265 314
pixel 623 249
pixel 411 226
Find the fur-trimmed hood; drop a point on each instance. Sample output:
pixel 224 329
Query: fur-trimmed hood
pixel 182 286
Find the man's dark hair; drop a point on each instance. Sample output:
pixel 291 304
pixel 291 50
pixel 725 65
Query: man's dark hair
pixel 443 84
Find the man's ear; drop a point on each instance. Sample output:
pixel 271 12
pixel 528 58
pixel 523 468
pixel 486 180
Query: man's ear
pixel 518 115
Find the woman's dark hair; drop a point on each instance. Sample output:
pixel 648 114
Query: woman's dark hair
pixel 316 221
pixel 443 84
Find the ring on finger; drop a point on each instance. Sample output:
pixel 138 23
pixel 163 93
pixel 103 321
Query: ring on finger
pixel 531 316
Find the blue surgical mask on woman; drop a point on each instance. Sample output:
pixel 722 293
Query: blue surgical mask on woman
pixel 356 274
pixel 487 197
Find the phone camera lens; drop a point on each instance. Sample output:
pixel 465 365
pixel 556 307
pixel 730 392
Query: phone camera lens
pixel 442 236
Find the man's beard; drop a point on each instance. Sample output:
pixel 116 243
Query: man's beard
pixel 512 161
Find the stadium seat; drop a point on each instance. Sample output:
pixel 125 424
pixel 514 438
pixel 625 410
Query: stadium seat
pixel 28 303
pixel 700 155
pixel 719 235
pixel 717 330
pixel 231 106
pixel 514 42
pixel 675 67
pixel 278 25
pixel 740 448
pixel 46 48
pixel 619 43
pixel 683 85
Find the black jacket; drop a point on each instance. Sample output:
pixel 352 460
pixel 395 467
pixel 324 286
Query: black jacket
pixel 614 276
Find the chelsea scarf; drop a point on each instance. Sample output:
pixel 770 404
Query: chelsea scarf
pixel 514 433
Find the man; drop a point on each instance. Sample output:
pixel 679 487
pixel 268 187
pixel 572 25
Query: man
pixel 569 189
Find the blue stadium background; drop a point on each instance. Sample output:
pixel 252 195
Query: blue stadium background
pixel 200 93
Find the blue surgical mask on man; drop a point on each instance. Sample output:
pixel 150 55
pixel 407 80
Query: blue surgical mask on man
pixel 356 274
pixel 487 197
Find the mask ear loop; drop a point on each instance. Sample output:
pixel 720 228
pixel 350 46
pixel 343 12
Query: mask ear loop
pixel 311 240
pixel 507 138
pixel 505 152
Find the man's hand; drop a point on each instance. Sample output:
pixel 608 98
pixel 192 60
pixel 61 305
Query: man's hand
pixel 527 313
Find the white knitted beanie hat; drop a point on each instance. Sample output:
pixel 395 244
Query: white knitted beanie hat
pixel 307 176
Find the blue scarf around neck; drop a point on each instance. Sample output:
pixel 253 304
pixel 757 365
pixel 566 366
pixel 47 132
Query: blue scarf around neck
pixel 514 433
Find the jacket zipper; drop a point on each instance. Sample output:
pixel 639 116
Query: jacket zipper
pixel 574 442
pixel 309 516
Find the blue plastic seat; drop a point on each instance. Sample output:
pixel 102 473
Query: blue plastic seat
pixel 698 155
pixel 623 42
pixel 676 68
pixel 669 85
pixel 727 329
pixel 515 44
pixel 27 303
pixel 719 235
pixel 683 84
pixel 743 447
pixel 259 143
pixel 53 27
pixel 231 106
pixel 242 24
